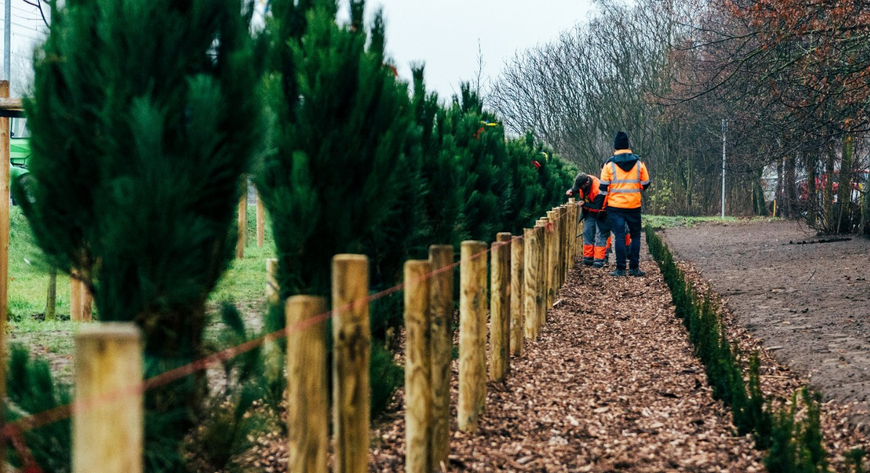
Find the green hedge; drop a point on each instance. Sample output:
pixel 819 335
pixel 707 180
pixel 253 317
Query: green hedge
pixel 793 444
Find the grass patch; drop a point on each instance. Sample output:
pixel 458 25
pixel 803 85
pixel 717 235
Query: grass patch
pixel 242 285
pixel 664 221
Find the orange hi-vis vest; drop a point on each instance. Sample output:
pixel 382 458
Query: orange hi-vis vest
pixel 594 190
pixel 624 187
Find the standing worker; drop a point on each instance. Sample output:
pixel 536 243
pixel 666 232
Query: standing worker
pixel 596 228
pixel 623 178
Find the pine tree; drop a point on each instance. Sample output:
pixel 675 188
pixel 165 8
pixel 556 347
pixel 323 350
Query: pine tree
pixel 344 176
pixel 144 119
pixel 342 121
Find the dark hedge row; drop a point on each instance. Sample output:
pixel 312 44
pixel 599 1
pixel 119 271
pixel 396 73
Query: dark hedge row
pixel 793 443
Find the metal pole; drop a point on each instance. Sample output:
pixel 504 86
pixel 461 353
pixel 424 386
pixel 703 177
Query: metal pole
pixel 7 41
pixel 724 127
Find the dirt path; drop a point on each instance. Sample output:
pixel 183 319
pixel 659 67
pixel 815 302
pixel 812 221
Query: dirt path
pixel 807 302
pixel 611 385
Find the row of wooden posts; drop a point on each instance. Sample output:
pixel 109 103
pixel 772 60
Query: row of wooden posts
pixel 526 274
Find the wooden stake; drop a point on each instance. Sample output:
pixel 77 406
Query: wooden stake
pixel 531 275
pixel 418 368
pixel 273 292
pixel 552 255
pixel 307 407
pixel 51 296
pixel 87 303
pixel 243 221
pixel 75 297
pixel 108 427
pixel 352 351
pixel 518 285
pixel 472 334
pixel 563 244
pixel 499 308
pixel 542 278
pixel 261 222
pixel 4 257
pixel 441 307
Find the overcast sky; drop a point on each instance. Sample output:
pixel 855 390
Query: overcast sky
pixel 444 33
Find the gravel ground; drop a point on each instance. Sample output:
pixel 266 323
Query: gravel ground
pixel 611 385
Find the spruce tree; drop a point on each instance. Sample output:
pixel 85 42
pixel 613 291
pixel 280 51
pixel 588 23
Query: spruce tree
pixel 144 119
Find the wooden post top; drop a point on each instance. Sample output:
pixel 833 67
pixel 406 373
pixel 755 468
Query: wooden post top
pixel 441 247
pixel 350 257
pixel 303 299
pixel 503 237
pixel 112 330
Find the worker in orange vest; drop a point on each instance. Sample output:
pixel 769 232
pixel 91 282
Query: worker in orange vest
pixel 596 230
pixel 623 178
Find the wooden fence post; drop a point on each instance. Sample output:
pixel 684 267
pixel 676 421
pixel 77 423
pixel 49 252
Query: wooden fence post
pixel 87 303
pixel 572 233
pixel 307 407
pixel 261 221
pixel 273 292
pixel 351 354
pixel 75 297
pixel 108 424
pixel 541 318
pixel 441 307
pixel 563 246
pixel 552 255
pixel 51 296
pixel 518 285
pixel 531 275
pixel 472 334
pixel 5 174
pixel 499 308
pixel 418 368
pixel 243 221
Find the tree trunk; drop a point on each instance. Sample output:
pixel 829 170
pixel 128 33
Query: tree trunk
pixel 51 298
pixel 777 196
pixel 828 192
pixel 844 192
pixel 865 207
pixel 789 198
pixel 812 204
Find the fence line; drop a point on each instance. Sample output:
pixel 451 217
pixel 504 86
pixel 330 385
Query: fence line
pixel 352 451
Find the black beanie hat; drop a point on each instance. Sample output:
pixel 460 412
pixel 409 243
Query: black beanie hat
pixel 621 141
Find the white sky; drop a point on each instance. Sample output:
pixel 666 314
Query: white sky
pixel 444 33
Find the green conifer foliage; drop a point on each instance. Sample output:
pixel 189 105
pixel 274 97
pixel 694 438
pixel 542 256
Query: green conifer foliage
pixel 340 136
pixel 144 119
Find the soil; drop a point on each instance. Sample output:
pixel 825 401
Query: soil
pixel 805 297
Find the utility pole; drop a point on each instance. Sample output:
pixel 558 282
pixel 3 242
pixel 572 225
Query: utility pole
pixel 724 128
pixel 7 41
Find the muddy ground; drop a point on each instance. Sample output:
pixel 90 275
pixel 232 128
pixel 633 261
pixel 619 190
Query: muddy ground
pixel 808 303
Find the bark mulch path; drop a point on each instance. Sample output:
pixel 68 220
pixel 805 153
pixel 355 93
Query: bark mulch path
pixel 611 385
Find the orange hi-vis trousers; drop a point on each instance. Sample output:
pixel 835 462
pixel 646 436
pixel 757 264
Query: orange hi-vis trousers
pixel 627 240
pixel 595 235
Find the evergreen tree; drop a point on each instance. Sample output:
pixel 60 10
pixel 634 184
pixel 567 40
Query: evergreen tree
pixel 342 122
pixel 143 120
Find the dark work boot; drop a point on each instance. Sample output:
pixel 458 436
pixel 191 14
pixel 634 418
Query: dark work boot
pixel 636 272
pixel 598 263
pixel 587 262
pixel 618 273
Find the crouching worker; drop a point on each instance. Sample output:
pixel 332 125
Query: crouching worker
pixel 596 227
